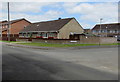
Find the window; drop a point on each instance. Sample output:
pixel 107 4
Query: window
pixel 99 31
pixel 103 31
pixel 28 34
pixel 39 34
pixel 94 31
pixel 108 31
pixel 111 31
pixel 24 26
pixel 116 31
pixel 52 34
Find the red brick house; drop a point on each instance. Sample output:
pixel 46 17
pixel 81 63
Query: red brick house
pixel 15 27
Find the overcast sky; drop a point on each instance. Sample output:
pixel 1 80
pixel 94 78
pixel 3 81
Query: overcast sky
pixel 87 13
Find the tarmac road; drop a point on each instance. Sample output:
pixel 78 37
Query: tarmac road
pixel 31 64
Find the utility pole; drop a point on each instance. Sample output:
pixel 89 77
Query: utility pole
pixel 100 32
pixel 100 26
pixel 8 34
pixel 106 31
pixel 1 30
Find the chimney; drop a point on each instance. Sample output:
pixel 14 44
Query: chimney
pixel 59 18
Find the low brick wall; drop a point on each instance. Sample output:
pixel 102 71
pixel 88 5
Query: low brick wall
pixel 57 41
pixel 89 40
pixel 105 40
pixel 82 40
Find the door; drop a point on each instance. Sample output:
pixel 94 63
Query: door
pixel 45 35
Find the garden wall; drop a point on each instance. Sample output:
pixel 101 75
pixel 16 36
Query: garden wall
pixel 106 40
pixel 82 40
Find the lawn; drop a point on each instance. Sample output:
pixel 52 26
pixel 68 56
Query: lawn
pixel 57 45
pixel 6 41
pixel 62 45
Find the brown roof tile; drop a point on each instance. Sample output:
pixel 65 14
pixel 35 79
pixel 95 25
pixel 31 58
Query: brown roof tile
pixel 53 25
pixel 13 21
pixel 3 21
pixel 111 26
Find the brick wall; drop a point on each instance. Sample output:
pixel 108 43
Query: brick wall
pixel 17 27
pixel 14 30
pixel 83 40
pixel 71 27
pixel 105 40
pixel 89 40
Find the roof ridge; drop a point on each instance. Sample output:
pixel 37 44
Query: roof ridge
pixel 52 20
pixel 14 21
pixel 47 25
pixel 108 23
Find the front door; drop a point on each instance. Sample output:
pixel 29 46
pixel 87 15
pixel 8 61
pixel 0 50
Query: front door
pixel 45 35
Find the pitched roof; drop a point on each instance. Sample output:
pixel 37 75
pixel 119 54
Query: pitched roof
pixel 53 25
pixel 13 21
pixel 3 21
pixel 112 26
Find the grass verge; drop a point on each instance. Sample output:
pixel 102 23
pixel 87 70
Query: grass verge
pixel 8 41
pixel 62 45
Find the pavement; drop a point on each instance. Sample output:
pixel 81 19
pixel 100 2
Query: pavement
pixel 20 63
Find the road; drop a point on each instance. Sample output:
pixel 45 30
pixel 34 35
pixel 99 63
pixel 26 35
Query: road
pixel 0 61
pixel 35 64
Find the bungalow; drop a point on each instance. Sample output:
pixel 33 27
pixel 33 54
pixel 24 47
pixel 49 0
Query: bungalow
pixel 110 30
pixel 55 29
pixel 15 27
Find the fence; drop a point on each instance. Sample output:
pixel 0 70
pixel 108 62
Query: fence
pixel 13 37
